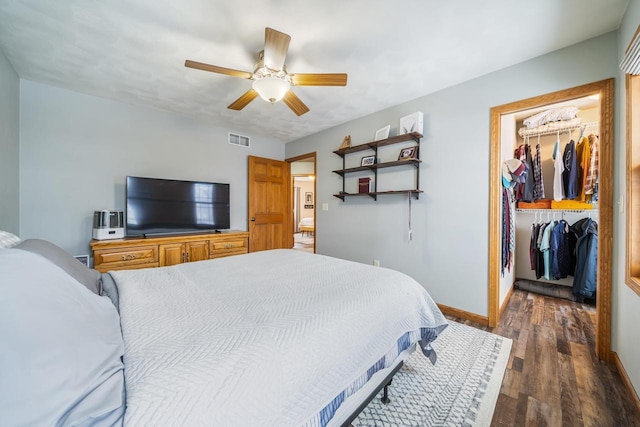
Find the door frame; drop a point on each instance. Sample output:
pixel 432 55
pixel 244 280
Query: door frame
pixel 315 192
pixel 605 89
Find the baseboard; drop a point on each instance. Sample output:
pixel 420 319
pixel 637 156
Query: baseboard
pixel 456 312
pixel 625 379
pixel 506 301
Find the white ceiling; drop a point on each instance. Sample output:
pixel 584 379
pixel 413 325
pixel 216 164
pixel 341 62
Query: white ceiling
pixel 134 50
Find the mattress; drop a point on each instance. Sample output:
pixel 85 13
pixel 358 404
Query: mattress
pixel 272 338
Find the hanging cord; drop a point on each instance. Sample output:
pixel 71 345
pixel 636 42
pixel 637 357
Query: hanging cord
pixel 410 232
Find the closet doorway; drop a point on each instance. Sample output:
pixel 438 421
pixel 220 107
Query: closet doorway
pixel 303 202
pixel 602 92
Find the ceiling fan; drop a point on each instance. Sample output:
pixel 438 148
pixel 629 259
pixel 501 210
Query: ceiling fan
pixel 271 81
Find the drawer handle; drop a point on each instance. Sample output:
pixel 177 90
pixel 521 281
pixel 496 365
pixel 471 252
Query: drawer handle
pixel 128 257
pixel 228 245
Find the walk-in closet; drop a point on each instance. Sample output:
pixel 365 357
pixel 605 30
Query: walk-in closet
pixel 551 204
pixel 549 233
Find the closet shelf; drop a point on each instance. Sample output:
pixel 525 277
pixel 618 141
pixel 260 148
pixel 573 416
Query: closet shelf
pixel 556 127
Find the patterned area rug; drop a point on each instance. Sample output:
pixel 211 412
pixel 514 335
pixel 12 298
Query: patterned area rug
pixel 460 390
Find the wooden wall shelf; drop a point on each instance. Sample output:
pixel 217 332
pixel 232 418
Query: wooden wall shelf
pixel 373 146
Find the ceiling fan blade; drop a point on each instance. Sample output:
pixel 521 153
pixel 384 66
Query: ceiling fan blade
pixel 244 100
pixel 293 102
pixel 338 79
pixel 216 69
pixel 276 45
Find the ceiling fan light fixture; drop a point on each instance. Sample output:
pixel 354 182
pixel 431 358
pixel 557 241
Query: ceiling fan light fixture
pixel 271 89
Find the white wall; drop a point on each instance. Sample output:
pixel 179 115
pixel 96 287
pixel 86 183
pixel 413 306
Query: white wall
pixel 449 250
pixel 626 303
pixel 9 147
pixel 76 151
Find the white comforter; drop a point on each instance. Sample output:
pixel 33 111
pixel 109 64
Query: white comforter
pixel 268 338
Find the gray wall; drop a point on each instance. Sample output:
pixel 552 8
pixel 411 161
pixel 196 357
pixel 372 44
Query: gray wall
pixel 626 303
pixel 449 250
pixel 9 147
pixel 76 151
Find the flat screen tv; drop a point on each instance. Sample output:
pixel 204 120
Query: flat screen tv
pixel 168 206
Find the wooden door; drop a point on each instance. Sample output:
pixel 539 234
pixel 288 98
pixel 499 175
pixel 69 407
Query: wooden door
pixel 197 251
pixel 171 254
pixel 268 204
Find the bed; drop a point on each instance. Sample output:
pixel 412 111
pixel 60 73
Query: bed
pixel 245 340
pixel 306 225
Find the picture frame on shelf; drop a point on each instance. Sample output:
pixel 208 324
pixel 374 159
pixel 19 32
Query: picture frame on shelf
pixel 368 161
pixel 411 123
pixel 382 133
pixel 408 153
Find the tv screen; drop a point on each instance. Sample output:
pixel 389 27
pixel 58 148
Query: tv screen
pixel 165 206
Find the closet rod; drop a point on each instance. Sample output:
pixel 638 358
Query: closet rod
pixel 578 211
pixel 556 127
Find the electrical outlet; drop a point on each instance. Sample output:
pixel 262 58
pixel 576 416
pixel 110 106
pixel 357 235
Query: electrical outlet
pixel 376 263
pixel 325 206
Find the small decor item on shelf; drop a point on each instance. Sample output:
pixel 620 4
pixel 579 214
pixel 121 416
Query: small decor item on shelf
pixel 346 142
pixel 368 161
pixel 411 123
pixel 364 185
pixel 408 153
pixel 382 133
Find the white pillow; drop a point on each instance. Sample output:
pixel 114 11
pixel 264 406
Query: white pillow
pixel 8 240
pixel 60 348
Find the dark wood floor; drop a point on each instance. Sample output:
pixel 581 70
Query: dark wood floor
pixel 553 377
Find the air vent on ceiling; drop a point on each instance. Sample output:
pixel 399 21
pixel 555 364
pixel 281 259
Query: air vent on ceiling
pixel 240 140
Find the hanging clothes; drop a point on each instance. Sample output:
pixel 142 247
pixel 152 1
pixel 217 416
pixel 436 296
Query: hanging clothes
pixel 585 277
pixel 506 232
pixel 583 159
pixel 532 245
pixel 539 253
pixel 590 187
pixel 527 190
pixel 570 173
pixel 562 243
pixel 538 184
pixel 545 249
pixel 558 166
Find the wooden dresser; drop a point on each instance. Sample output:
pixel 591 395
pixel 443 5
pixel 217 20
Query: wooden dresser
pixel 146 252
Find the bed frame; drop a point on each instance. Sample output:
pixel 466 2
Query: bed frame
pixel 385 396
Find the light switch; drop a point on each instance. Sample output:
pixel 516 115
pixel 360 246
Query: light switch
pixel 325 206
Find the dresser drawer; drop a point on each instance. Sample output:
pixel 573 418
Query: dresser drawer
pixel 228 246
pixel 120 259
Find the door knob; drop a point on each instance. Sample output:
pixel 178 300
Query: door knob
pixel 252 218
